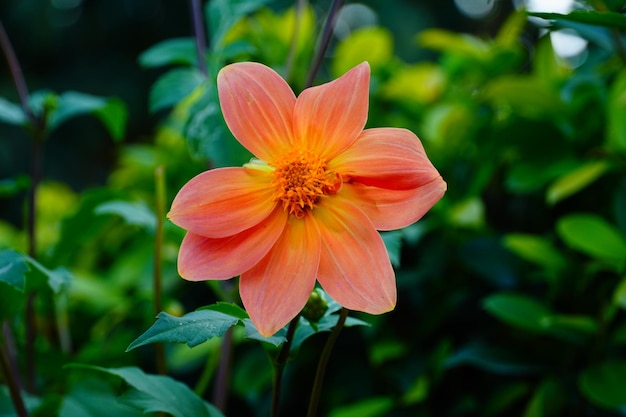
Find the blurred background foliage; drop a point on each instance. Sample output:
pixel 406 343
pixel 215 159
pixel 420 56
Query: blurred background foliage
pixel 512 290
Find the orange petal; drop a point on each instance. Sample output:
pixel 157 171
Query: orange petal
pixel 223 202
pixel 394 209
pixel 277 288
pixel 258 107
pixel 387 158
pixel 354 265
pixel 329 117
pixel 201 258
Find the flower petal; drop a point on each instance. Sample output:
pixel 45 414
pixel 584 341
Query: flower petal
pixel 329 117
pixel 223 202
pixel 394 209
pixel 277 288
pixel 202 258
pixel 354 265
pixel 387 158
pixel 258 107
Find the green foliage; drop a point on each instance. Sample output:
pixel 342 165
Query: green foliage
pixel 514 281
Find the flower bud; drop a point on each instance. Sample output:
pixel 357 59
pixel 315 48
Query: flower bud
pixel 315 307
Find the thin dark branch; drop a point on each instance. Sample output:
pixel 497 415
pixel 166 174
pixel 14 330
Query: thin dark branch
pixel 199 34
pixel 7 365
pixel 279 366
pixel 321 366
pixel 16 73
pixel 323 46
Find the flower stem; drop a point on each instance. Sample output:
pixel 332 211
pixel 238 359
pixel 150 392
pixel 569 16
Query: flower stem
pixel 323 46
pixel 222 378
pixel 7 366
pixel 279 365
pixel 157 274
pixel 38 134
pixel 199 34
pixel 321 366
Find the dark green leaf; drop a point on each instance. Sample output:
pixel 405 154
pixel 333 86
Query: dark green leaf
pixel 604 384
pixel 616 136
pixel 593 236
pixel 371 407
pixel 492 359
pixel 173 87
pixel 227 308
pixel 393 243
pixel 13 268
pixel 207 134
pixel 12 186
pixel 606 19
pixel 110 111
pixel 192 328
pixel 547 401
pixel 576 180
pixel 11 113
pixel 133 213
pixel 94 398
pixel 6 405
pixel 535 249
pixel 156 393
pixel 39 277
pixel 252 333
pixel 518 310
pixel 178 51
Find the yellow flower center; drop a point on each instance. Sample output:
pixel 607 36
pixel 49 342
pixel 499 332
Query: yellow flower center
pixel 301 179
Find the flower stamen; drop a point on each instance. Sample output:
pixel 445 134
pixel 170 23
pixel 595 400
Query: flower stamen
pixel 301 179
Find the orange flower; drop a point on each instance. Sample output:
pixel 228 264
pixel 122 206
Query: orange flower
pixel 308 208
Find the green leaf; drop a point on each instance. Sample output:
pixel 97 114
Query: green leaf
pixel 252 333
pixel 7 409
pixel 11 113
pixel 207 134
pixel 547 401
pixel 39 277
pixel 491 359
pixel 526 96
pixel 606 19
pixel 133 213
pixel 393 243
pixel 173 87
pixel 111 111
pixel 94 398
pixel 604 384
pixel 373 44
pixel 576 180
pixel 518 310
pixel 157 393
pixel 451 42
pixel 535 249
pixel 13 268
pixel 227 308
pixel 616 135
pixel 177 51
pixel 223 14
pixel 593 236
pixel 192 328
pixel 371 407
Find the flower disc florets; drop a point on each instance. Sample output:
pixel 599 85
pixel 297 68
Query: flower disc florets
pixel 301 179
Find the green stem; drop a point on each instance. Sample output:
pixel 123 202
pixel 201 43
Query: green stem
pixel 326 35
pixel 7 365
pixel 279 366
pixel 157 275
pixel 321 366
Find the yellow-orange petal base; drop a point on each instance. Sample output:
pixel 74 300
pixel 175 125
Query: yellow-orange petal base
pixel 308 209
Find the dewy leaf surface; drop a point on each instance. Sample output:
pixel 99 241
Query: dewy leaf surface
pixel 192 328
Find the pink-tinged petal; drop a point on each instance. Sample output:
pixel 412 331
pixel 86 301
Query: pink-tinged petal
pixel 329 117
pixel 223 202
pixel 202 258
pixel 277 288
pixel 354 266
pixel 387 158
pixel 258 107
pixel 394 209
